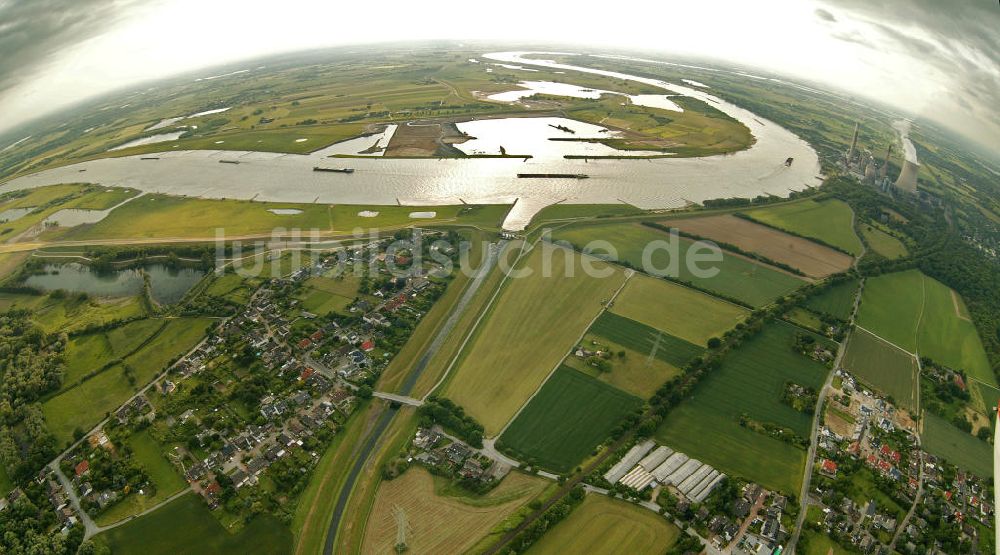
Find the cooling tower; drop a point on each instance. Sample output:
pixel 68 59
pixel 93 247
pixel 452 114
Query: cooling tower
pixel 907 180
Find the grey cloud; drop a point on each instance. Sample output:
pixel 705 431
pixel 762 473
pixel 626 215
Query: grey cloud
pixel 825 15
pixel 33 31
pixel 854 37
pixel 958 38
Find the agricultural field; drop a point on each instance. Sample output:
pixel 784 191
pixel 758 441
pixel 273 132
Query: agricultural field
pixel 811 258
pixel 836 300
pixel 645 340
pixel 922 315
pixel 680 311
pixel 440 523
pixel 605 525
pixel 883 243
pixel 187 526
pixel 739 278
pixel 960 448
pixel 568 418
pixel 535 321
pixel 830 221
pixel 885 368
pixel 85 404
pixel 166 480
pixel 750 382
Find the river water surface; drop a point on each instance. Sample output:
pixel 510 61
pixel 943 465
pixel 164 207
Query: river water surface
pixel 646 183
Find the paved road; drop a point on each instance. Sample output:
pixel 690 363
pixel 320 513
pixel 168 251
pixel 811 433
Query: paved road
pixel 398 398
pixel 386 418
pixel 916 498
pixel 814 435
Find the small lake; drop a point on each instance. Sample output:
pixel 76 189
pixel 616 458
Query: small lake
pixel 168 284
pixel 152 139
pixel 534 136
pixel 367 145
pixel 531 88
pixel 11 214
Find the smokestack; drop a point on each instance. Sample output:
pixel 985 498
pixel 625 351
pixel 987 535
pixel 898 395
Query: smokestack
pixel 907 180
pixel 854 144
pixel 885 164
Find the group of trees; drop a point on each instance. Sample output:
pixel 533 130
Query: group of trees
pixel 437 410
pixel 31 365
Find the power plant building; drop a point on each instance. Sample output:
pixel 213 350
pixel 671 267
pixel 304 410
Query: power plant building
pixel 907 180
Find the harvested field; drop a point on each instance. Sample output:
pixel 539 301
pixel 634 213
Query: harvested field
pixel 604 525
pixel 438 523
pixel 811 258
pixel 885 368
pixel 680 311
pixel 750 282
pixel 534 323
pixel 830 221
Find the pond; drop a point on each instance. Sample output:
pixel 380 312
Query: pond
pixel 152 139
pixel 168 285
pixel 11 214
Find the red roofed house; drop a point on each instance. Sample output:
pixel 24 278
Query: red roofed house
pixel 306 374
pixel 83 468
pixel 828 467
pixel 304 344
pixel 214 488
pixel 316 336
pixel 368 346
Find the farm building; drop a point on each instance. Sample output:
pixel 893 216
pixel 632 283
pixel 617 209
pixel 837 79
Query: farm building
pixel 628 461
pixel 700 495
pixel 694 479
pixel 654 459
pixel 683 472
pixel 638 479
pixel 669 466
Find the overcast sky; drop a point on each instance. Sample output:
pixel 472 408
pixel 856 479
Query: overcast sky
pixel 939 59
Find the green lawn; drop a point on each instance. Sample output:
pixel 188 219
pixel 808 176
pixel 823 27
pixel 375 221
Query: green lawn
pixel 883 243
pixel 163 216
pixel 88 353
pixel 739 278
pixel 862 489
pixel 322 295
pixel 166 480
pixel 885 368
pixel 570 416
pixel 570 211
pixel 922 315
pixel 836 300
pixel 84 405
pixel 70 314
pixel 812 542
pixel 677 310
pixel 960 448
pixel 830 221
pixel 750 382
pixel 186 526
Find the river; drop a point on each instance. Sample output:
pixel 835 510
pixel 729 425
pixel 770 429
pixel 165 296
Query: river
pixel 646 183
